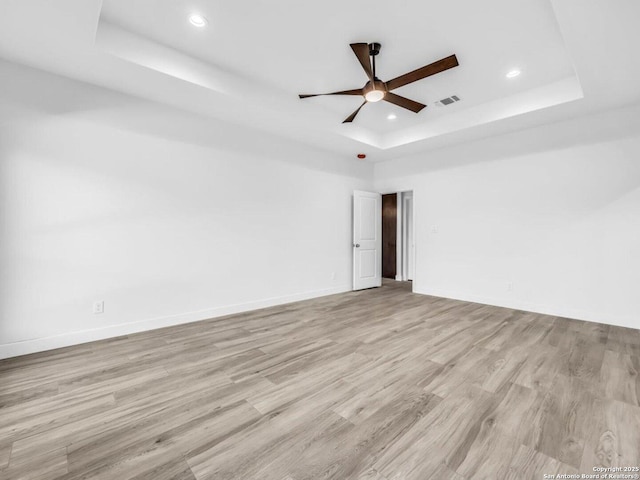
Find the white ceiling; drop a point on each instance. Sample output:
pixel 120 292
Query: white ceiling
pixel 292 48
pixel 249 64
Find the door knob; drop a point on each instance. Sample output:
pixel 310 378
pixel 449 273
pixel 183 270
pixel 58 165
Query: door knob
pixel 357 245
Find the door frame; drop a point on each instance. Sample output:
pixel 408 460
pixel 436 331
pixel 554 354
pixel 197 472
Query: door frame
pixel 408 244
pixel 401 226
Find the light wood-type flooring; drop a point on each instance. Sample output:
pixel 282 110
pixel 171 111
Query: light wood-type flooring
pixel 381 384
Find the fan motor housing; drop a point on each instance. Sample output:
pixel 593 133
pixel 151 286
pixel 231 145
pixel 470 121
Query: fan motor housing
pixel 374 49
pixel 376 85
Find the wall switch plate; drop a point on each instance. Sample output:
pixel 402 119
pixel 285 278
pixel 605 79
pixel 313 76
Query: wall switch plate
pixel 98 307
pixel 434 229
pixel 333 275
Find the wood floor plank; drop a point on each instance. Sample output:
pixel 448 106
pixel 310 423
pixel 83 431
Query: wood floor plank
pixel 34 421
pixel 540 367
pixel 528 464
pixel 132 408
pixel 560 426
pixel 447 433
pixel 5 453
pixel 614 435
pixel 620 377
pixel 20 395
pixel 373 396
pixel 487 369
pixel 505 333
pixel 500 433
pixel 624 340
pixel 170 470
pixel 343 455
pixel 380 384
pixel 47 465
pixel 583 359
pixel 144 446
pixel 271 443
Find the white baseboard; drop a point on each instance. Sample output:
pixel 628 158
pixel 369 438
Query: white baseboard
pixel 578 314
pixel 25 347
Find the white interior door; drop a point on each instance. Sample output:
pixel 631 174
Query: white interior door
pixel 367 240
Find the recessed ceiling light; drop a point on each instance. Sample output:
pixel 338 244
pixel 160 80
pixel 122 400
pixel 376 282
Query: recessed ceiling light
pixel 198 20
pixel 513 73
pixel 391 116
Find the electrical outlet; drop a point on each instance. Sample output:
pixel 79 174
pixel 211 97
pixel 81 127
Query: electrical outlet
pixel 98 307
pixel 434 229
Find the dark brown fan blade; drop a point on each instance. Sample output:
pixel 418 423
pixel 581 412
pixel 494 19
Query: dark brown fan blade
pixel 357 91
pixel 350 118
pixel 362 52
pixel 420 73
pixel 403 102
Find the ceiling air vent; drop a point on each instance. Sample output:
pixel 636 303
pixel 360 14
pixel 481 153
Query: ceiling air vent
pixel 448 101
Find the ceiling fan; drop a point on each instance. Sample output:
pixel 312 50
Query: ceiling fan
pixel 375 89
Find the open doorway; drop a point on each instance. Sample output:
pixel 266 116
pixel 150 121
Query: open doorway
pixel 398 247
pixel 389 235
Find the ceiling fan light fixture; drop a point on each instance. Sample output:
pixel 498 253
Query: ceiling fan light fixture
pixel 375 89
pixel 374 95
pixel 513 73
pixel 198 20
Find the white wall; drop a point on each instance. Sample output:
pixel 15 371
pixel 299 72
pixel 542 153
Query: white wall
pixel 165 216
pixel 553 212
pixel 169 217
